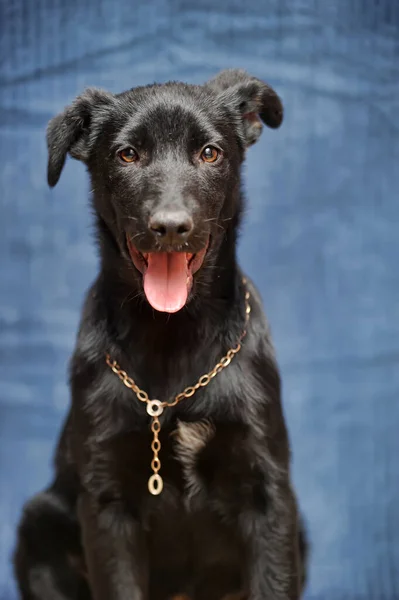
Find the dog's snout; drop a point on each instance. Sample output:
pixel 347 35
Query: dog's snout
pixel 171 227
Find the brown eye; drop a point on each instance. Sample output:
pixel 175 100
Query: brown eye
pixel 209 154
pixel 128 155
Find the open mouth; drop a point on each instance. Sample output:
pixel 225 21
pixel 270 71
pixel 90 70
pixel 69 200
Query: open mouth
pixel 167 276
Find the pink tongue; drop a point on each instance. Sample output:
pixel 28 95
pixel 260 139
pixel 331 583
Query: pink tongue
pixel 166 281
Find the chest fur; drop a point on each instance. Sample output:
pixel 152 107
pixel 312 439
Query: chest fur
pixel 201 462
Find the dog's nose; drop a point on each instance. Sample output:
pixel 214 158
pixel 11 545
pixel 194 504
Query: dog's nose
pixel 171 227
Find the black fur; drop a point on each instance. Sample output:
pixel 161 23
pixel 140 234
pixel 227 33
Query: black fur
pixel 227 521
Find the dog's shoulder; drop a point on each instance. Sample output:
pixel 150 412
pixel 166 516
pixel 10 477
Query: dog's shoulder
pixel 260 339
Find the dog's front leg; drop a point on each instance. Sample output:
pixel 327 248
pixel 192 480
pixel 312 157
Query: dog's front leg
pixel 275 569
pixel 114 550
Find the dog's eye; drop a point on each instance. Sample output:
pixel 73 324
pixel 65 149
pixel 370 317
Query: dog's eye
pixel 209 154
pixel 128 155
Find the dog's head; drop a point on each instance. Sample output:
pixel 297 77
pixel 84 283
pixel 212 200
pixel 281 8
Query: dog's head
pixel 164 161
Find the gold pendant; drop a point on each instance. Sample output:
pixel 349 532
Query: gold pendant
pixel 155 484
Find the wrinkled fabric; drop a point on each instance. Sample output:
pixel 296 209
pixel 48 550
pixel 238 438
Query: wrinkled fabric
pixel 320 240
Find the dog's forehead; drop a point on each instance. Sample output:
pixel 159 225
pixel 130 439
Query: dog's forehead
pixel 170 112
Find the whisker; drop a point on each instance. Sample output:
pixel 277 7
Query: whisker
pixel 214 221
pixel 137 235
pixel 218 225
pixel 130 297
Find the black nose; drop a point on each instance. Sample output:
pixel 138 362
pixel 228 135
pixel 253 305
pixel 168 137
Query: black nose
pixel 171 227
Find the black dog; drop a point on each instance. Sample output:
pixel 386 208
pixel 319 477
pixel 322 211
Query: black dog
pixel 168 304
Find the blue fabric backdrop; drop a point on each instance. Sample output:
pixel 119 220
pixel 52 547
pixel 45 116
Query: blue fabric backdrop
pixel 321 241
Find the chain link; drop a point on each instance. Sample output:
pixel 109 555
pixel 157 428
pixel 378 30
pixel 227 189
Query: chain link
pixel 155 482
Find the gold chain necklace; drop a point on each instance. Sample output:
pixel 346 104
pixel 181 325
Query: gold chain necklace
pixel 155 407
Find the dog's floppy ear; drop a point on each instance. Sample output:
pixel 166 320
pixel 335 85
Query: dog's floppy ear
pixel 70 131
pixel 251 99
